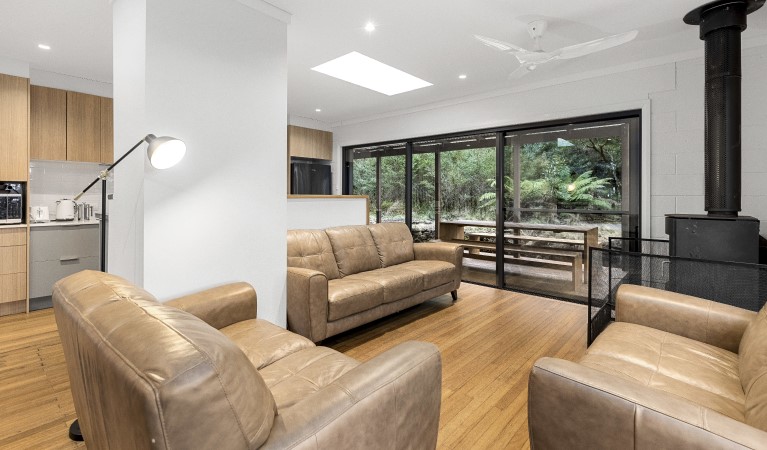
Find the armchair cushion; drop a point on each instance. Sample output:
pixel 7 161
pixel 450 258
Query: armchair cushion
pixel 354 249
pixel 297 376
pixel 394 242
pixel 263 342
pixel 698 372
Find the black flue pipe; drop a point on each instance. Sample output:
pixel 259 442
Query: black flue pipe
pixel 721 23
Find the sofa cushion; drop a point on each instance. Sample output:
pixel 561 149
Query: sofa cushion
pixel 393 241
pixel 701 373
pixel 350 296
pixel 263 342
pixel 354 249
pixel 297 376
pixel 435 273
pixel 397 282
pixel 753 370
pixel 310 249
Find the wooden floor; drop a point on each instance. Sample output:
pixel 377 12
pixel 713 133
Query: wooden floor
pixel 489 340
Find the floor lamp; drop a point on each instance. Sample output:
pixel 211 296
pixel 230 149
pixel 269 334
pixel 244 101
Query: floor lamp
pixel 163 152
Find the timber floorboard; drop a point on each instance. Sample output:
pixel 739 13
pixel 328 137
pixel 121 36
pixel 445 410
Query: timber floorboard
pixel 489 340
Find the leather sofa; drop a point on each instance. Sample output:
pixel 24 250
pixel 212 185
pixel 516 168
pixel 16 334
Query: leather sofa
pixel 203 372
pixel 672 371
pixel 343 277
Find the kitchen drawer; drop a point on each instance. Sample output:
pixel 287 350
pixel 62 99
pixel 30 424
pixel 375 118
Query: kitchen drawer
pixel 13 236
pixel 13 259
pixel 13 287
pixel 43 274
pixel 53 243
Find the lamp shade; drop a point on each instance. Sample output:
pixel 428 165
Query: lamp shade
pixel 164 151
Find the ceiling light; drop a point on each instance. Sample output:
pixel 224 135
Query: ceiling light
pixel 317 110
pixel 370 27
pixel 462 76
pixel 43 46
pixel 364 71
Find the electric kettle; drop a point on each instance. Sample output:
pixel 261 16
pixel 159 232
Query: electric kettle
pixel 65 209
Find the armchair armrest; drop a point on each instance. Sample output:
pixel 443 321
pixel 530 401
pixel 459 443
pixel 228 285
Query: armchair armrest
pixel 573 406
pixel 220 306
pixel 391 401
pixel 692 317
pixel 308 303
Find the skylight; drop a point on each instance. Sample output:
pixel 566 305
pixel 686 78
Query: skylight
pixel 364 71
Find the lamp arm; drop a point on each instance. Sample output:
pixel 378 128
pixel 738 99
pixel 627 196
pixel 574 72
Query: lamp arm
pixel 104 173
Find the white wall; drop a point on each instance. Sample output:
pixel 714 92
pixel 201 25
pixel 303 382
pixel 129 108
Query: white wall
pixel 14 67
pixel 322 212
pixel 215 75
pixel 671 98
pixel 39 77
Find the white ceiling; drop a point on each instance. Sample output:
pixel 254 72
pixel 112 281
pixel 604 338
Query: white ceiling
pixel 431 39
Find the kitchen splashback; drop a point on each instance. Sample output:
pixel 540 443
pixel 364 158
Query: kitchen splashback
pixel 50 181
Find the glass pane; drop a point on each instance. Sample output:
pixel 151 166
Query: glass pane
pixel 364 182
pixel 393 188
pixel 424 197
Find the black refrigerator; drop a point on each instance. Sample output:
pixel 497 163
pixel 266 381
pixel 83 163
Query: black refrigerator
pixel 310 177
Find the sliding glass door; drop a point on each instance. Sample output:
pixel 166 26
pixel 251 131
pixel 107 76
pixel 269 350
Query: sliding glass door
pixel 526 202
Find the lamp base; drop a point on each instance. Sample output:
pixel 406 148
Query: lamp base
pixel 74 432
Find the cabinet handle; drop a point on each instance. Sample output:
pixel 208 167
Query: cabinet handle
pixel 69 258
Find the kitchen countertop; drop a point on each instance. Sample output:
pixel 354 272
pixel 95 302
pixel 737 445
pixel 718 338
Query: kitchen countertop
pixel 64 223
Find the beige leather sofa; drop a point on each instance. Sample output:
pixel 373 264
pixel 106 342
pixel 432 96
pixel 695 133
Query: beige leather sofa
pixel 202 372
pixel 343 277
pixel 672 371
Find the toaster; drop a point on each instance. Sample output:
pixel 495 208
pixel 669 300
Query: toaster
pixel 39 214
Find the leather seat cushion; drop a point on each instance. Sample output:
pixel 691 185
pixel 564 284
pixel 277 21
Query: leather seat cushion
pixel 354 249
pixel 310 249
pixel 753 370
pixel 396 281
pixel 394 242
pixel 347 296
pixel 701 373
pixel 263 342
pixel 435 273
pixel 301 374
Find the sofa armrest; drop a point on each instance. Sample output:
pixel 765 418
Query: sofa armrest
pixel 391 401
pixel 573 406
pixel 442 251
pixel 220 306
pixel 692 317
pixel 308 303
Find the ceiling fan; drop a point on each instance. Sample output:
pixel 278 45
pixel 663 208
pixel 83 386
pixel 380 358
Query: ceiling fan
pixel 530 59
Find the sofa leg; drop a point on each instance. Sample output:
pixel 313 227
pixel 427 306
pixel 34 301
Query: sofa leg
pixel 454 294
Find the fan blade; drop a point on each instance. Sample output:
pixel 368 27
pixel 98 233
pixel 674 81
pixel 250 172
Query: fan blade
pixel 521 71
pixel 597 45
pixel 498 45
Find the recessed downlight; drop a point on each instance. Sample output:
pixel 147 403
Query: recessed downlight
pixel 462 76
pixel 317 110
pixel 370 27
pixel 43 46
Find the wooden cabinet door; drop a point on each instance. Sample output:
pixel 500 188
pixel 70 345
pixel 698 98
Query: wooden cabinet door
pixel 309 143
pixel 83 127
pixel 107 131
pixel 14 128
pixel 48 123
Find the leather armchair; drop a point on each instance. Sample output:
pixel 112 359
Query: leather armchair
pixel 673 371
pixel 203 371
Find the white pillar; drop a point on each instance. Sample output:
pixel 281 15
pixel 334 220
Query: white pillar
pixel 214 74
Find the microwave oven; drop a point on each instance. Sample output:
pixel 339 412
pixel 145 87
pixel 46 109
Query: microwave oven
pixel 11 203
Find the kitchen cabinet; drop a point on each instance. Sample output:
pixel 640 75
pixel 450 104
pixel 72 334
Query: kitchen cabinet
pixel 48 123
pixel 107 131
pixel 70 126
pixel 309 143
pixel 59 251
pixel 14 128
pixel 13 270
pixel 83 127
